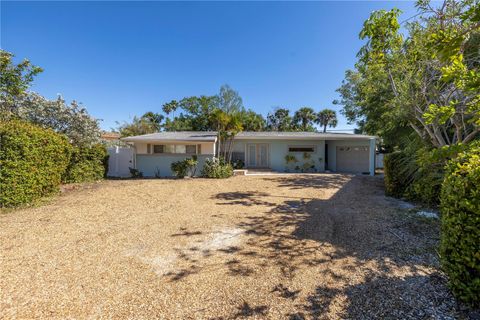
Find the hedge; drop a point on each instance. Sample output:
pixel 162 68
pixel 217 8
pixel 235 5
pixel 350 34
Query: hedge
pixel 427 180
pixel 418 175
pixel 32 162
pixel 87 164
pixel 395 180
pixel 460 237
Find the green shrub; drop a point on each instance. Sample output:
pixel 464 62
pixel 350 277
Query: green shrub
pixel 185 168
pixel 460 237
pixel 238 164
pixel 418 175
pixel 135 173
pixel 32 162
pixel 427 180
pixel 290 161
pixel 87 164
pixel 216 168
pixel 398 167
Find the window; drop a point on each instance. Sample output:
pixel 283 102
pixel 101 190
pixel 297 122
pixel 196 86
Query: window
pixel 191 149
pixel 158 148
pixel 175 148
pixel 301 149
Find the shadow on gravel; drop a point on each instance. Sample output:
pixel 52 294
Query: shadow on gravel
pixel 382 297
pixel 356 225
pixel 355 234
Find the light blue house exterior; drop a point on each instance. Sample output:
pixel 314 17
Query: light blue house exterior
pixel 276 151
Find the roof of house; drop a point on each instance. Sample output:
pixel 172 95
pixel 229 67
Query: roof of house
pixel 299 135
pixel 110 135
pixel 211 136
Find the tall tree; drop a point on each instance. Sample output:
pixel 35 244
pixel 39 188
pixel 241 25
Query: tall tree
pixel 71 119
pixel 229 100
pixel 426 83
pixel 170 107
pixel 155 119
pixel 150 122
pixel 15 79
pixel 327 117
pixel 303 119
pixel 279 120
pixel 252 121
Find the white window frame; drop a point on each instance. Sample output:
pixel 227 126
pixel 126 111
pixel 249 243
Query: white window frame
pixel 175 148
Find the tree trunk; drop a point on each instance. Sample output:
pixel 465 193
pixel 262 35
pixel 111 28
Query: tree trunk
pixel 471 135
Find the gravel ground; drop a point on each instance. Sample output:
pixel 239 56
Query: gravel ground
pixel 262 247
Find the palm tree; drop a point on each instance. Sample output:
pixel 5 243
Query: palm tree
pixel 327 117
pixel 170 107
pixel 304 117
pixel 155 119
pixel 219 120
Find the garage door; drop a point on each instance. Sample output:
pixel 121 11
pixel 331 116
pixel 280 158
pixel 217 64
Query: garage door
pixel 352 159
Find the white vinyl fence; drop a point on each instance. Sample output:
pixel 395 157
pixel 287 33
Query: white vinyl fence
pixel 120 159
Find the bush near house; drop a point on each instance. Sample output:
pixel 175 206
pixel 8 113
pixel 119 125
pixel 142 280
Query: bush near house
pixel 32 162
pixel 87 164
pixel 460 237
pixel 418 175
pixel 217 169
pixel 185 168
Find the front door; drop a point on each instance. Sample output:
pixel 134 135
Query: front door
pixel 257 155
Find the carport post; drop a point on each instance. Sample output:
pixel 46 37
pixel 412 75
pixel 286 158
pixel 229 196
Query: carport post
pixel 372 156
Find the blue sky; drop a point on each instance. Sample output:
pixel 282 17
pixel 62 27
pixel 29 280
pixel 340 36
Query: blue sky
pixel 121 59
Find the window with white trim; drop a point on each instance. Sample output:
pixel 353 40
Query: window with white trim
pixel 175 148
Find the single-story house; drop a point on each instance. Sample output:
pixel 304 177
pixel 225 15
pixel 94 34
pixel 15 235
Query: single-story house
pixel 277 151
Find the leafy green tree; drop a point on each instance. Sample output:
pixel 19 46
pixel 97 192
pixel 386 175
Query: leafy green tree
pixel 71 119
pixel 252 121
pixel 150 122
pixel 425 83
pixel 229 100
pixel 326 117
pixel 279 120
pixel 15 79
pixel 303 119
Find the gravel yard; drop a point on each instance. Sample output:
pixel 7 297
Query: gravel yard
pixel 323 246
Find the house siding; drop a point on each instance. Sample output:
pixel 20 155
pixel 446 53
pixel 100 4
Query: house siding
pixel 149 164
pixel 278 149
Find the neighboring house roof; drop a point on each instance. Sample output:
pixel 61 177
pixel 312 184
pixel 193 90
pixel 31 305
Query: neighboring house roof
pixel 245 135
pixel 208 136
pixel 110 136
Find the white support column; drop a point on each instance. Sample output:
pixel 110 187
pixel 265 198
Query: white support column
pixel 372 156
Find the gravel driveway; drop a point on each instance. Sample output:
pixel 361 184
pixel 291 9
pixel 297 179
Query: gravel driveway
pixel 324 246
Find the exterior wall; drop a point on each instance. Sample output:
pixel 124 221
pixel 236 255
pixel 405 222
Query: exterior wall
pixel 332 150
pixel 149 164
pixel 278 149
